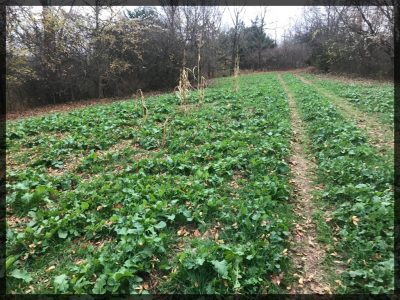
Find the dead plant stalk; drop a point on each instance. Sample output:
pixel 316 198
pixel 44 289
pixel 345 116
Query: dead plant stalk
pixel 145 110
pixel 164 138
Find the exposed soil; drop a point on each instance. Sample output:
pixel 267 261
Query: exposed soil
pixel 234 183
pixel 118 147
pixel 380 136
pixel 15 222
pixel 307 254
pixel 69 165
pixel 188 107
pixel 11 159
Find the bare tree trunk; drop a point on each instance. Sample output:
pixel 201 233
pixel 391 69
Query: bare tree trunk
pixel 262 24
pixel 97 50
pixel 46 61
pixel 235 42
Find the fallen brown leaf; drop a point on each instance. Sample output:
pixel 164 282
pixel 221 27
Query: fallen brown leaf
pixel 49 269
pixel 276 279
pixel 196 233
pixel 80 261
pixel 355 220
pixel 182 231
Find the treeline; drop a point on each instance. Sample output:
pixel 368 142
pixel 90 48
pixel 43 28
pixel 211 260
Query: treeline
pixel 60 54
pixel 351 39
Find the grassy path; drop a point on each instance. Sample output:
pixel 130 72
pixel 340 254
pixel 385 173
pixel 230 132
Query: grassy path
pixel 373 98
pixel 307 254
pixel 380 136
pixel 357 188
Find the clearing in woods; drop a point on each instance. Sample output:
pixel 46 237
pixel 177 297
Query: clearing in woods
pixel 270 189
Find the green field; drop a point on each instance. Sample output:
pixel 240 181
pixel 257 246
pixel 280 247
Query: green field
pixel 194 199
pixel 377 99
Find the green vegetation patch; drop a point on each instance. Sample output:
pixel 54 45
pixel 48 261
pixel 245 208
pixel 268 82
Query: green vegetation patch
pixel 190 200
pixel 359 186
pixel 372 98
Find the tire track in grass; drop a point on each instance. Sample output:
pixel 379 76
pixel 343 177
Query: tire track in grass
pixel 357 186
pixel 307 254
pixel 380 136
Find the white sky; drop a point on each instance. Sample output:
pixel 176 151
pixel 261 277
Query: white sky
pixel 278 18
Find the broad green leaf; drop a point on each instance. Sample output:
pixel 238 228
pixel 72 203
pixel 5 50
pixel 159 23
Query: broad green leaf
pixel 200 261
pixel 61 283
pixel 62 234
pixel 221 267
pixel 99 286
pixel 21 274
pixel 10 260
pixel 160 225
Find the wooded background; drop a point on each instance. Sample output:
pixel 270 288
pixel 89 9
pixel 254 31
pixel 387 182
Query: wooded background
pixel 64 54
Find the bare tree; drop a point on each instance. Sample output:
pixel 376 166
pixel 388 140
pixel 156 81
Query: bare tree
pixel 236 20
pixel 261 18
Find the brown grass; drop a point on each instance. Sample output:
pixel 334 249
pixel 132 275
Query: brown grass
pixel 184 86
pixel 200 89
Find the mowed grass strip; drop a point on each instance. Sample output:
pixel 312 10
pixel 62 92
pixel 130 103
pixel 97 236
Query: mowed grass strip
pixel 379 135
pixel 206 211
pixel 359 187
pixel 376 99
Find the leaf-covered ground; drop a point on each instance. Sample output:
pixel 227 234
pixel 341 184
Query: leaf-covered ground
pixel 193 199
